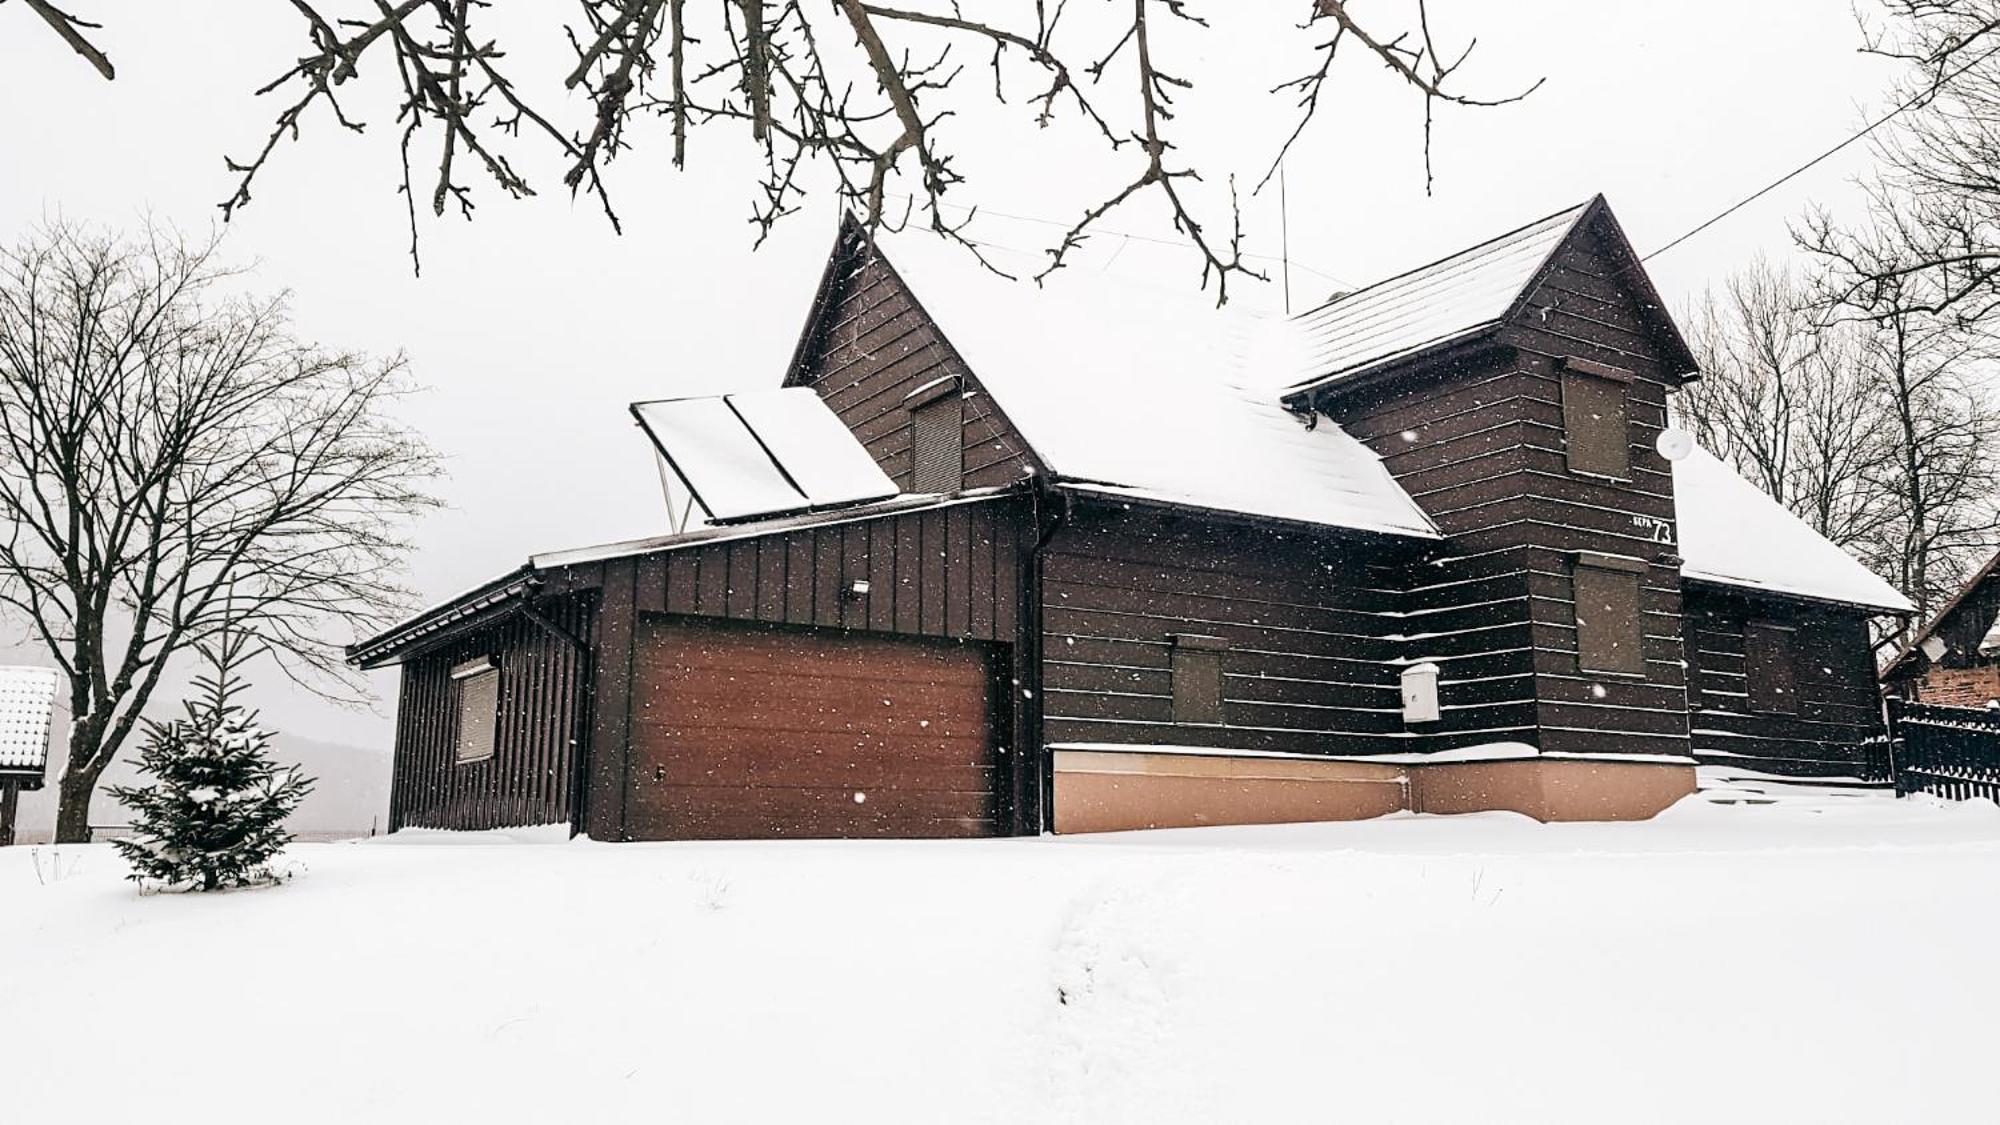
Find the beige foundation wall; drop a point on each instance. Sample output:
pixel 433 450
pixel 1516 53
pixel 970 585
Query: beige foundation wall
pixel 1100 791
pixel 1110 791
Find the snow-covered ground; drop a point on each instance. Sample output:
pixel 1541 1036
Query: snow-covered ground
pixel 1810 960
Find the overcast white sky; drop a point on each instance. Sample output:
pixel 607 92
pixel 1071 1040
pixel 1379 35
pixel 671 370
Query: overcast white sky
pixel 533 326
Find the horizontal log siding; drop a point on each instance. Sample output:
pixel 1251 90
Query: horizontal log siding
pixel 1833 672
pixel 1307 619
pixel 1480 444
pixel 544 688
pixel 874 346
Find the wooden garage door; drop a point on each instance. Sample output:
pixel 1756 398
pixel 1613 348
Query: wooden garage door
pixel 744 732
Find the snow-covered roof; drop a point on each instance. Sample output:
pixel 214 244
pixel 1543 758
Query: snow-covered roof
pixel 1147 392
pixel 1732 532
pixel 27 708
pixel 1453 298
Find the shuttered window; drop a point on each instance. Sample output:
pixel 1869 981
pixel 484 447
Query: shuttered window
pixel 1768 665
pixel 1198 678
pixel 937 445
pixel 1608 633
pixel 477 684
pixel 1594 418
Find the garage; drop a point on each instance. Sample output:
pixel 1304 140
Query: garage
pixel 746 731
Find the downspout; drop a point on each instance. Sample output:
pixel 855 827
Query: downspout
pixel 1048 511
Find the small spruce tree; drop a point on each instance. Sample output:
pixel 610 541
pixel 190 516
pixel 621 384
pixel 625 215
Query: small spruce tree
pixel 215 813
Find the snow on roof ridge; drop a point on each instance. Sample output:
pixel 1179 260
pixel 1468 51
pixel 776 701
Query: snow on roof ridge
pixel 1431 305
pixel 1570 213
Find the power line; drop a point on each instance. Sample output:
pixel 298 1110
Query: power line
pixel 1921 96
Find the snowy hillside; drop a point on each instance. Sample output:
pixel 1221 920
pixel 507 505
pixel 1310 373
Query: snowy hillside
pixel 1721 963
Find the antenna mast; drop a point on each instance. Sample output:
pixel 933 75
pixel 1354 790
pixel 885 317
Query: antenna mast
pixel 1285 237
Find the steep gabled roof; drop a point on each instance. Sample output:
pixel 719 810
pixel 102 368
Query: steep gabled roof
pixel 1138 392
pixel 1464 297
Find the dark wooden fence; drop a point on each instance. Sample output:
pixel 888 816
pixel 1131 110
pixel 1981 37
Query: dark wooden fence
pixel 1950 751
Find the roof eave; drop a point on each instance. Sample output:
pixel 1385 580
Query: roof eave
pixel 1112 494
pixel 1739 586
pixel 1461 345
pixel 448 618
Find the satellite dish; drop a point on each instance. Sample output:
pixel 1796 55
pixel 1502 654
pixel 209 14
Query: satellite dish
pixel 1934 648
pixel 1675 443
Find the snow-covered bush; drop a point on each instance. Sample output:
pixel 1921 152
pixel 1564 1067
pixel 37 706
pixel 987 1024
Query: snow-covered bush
pixel 214 815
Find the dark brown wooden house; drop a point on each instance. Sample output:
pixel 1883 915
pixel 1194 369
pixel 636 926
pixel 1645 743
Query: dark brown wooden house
pixel 1954 659
pixel 1114 559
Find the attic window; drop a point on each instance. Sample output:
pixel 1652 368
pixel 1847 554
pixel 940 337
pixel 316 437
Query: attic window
pixel 1768 665
pixel 1197 678
pixel 937 444
pixel 476 684
pixel 1608 636
pixel 1595 418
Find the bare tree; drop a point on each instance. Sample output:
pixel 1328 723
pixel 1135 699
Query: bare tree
pixel 1931 241
pixel 1940 432
pixel 1789 400
pixel 173 459
pixel 857 86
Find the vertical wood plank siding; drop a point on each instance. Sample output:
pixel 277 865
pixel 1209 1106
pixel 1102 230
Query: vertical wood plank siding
pixel 950 572
pixel 544 685
pixel 1838 706
pixel 874 347
pixel 1480 444
pixel 1306 620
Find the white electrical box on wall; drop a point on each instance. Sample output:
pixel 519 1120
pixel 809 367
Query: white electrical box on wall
pixel 1420 693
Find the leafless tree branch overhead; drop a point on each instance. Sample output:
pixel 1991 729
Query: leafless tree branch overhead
pixel 852 86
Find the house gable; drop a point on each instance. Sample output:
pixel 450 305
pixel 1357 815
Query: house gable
pixel 1480 438
pixel 874 354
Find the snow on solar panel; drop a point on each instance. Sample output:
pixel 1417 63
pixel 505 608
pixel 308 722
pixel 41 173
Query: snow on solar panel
pixel 762 453
pixel 813 445
pixel 718 456
pixel 27 706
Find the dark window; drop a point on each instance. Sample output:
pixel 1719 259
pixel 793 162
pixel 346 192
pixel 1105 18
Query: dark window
pixel 477 684
pixel 937 445
pixel 1600 437
pixel 1198 678
pixel 1608 633
pixel 1767 663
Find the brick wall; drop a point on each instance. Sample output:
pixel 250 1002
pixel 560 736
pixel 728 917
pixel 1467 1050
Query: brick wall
pixel 1960 687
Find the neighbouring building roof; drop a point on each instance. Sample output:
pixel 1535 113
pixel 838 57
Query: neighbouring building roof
pixel 1973 597
pixel 1734 533
pixel 27 712
pixel 1148 392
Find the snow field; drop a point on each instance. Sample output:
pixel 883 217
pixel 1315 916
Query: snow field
pixel 1718 963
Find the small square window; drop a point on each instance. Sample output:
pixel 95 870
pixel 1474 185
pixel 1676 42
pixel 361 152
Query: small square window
pixel 1768 665
pixel 1595 421
pixel 1197 677
pixel 1609 636
pixel 476 684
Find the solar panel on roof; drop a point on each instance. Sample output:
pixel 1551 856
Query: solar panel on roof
pixel 762 453
pixel 813 446
pixel 27 707
pixel 719 458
